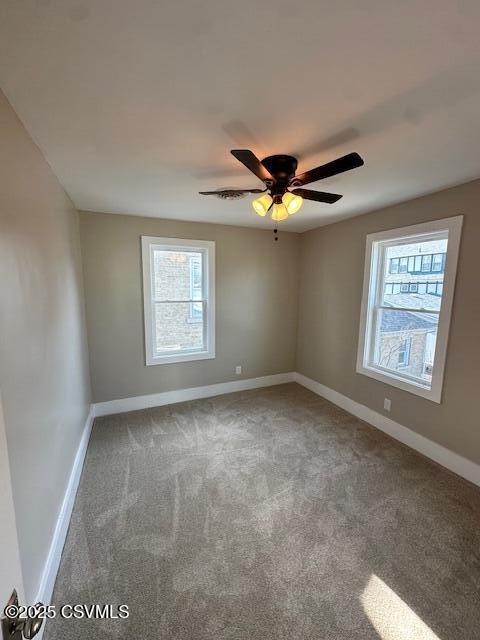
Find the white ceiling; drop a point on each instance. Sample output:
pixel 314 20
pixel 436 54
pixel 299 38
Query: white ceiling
pixel 136 103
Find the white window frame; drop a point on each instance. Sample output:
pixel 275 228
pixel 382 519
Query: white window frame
pixel 373 285
pixel 207 248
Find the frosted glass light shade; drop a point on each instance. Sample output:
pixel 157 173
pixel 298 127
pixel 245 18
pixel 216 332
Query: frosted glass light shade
pixel 262 204
pixel 292 202
pixel 279 212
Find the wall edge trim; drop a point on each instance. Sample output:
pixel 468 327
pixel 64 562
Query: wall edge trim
pixel 135 403
pixel 52 563
pixel 447 458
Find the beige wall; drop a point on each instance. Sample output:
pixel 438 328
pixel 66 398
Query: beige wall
pixel 44 380
pixel 332 262
pixel 256 304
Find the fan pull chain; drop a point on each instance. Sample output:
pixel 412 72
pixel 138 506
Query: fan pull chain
pixel 275 232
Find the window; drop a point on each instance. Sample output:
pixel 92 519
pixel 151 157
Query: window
pixel 426 263
pixel 179 299
pixel 404 326
pixel 394 265
pixel 404 352
pixel 418 263
pixel 437 264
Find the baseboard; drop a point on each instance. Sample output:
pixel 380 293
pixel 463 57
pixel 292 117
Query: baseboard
pixel 52 563
pixel 193 393
pixel 436 452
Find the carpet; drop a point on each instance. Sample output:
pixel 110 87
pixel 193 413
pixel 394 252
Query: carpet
pixel 267 514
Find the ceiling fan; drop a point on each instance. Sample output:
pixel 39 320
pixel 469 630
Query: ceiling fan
pixel 283 193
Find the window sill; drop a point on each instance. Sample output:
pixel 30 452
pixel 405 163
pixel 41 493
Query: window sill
pixel 432 394
pixel 180 357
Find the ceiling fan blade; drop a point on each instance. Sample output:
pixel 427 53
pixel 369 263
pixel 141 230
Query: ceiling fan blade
pixel 251 161
pixel 230 191
pixel 345 163
pixel 318 196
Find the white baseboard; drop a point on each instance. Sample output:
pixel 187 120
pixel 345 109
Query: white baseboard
pixel 52 563
pixel 193 393
pixel 440 454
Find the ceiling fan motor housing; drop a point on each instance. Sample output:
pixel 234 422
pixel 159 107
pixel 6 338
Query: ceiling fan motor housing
pixel 282 168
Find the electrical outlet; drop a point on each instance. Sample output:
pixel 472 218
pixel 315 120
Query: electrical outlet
pixel 387 404
pixel 238 369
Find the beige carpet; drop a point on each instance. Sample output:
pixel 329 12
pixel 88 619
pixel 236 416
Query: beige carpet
pixel 268 514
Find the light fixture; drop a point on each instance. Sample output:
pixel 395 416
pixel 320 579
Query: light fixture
pixel 262 204
pixel 279 212
pixel 292 202
pixel 282 193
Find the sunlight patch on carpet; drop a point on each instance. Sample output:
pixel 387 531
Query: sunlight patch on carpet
pixel 391 617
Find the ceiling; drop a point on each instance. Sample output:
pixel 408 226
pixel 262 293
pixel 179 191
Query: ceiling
pixel 136 103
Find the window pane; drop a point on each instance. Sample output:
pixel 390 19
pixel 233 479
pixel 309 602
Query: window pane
pixel 437 264
pixel 426 263
pixel 178 326
pixel 177 275
pixel 415 289
pixel 195 277
pixel 405 342
pixel 196 311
